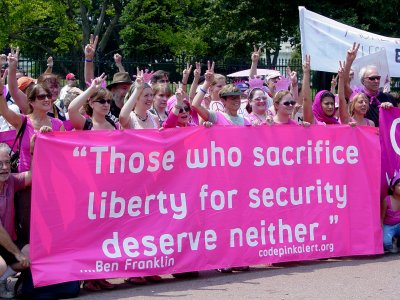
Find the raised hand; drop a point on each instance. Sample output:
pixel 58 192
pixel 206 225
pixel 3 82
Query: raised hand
pixel 90 49
pixel 147 75
pixel 306 64
pixel 255 56
pixel 179 95
pixel 50 61
pixel 139 82
pixel 117 59
pixel 13 57
pixel 209 76
pixel 292 76
pixel 197 71
pixel 186 73
pixel 342 66
pixel 352 53
pixel 97 83
pixel 2 81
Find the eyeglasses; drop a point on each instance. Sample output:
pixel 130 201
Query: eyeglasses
pixel 186 109
pixel 103 101
pixel 259 99
pixel 287 103
pixel 5 163
pixel 41 97
pixel 374 78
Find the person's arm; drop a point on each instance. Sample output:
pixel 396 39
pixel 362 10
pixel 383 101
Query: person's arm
pixel 209 77
pixel 20 98
pixel 350 57
pixel 50 64
pixel 118 62
pixel 307 103
pixel 172 120
pixel 294 86
pixel 8 244
pixel 343 108
pixel 334 84
pixel 185 76
pixel 255 56
pixel 11 117
pixel 195 83
pixel 124 115
pixel 90 51
pixel 77 120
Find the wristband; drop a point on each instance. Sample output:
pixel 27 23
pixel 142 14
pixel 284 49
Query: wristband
pixel 203 90
pixel 88 60
pixel 50 65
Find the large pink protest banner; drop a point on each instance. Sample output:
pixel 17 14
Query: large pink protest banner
pixel 389 132
pixel 142 202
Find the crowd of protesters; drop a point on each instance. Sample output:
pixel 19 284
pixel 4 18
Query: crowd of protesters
pixel 31 105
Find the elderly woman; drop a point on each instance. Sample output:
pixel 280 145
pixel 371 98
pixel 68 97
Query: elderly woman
pixel 230 96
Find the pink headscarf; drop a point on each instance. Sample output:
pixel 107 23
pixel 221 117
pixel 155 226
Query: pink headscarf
pixel 318 111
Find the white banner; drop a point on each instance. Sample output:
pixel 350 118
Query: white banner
pixel 327 42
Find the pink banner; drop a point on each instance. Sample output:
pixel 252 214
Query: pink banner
pixel 389 132
pixel 143 202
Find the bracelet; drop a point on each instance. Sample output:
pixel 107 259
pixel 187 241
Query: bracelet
pixel 203 90
pixel 88 60
pixel 50 65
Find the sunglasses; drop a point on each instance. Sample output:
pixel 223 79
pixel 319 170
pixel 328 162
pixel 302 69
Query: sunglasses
pixel 186 109
pixel 374 78
pixel 103 101
pixel 43 96
pixel 287 103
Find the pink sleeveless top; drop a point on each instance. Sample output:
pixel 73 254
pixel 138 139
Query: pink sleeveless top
pixel 391 217
pixel 25 155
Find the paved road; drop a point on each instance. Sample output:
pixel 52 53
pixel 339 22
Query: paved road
pixel 350 278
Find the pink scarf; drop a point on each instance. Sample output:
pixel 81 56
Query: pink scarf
pixel 373 97
pixel 318 111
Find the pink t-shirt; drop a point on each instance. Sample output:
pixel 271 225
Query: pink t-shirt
pixel 219 118
pixel 13 184
pixel 25 155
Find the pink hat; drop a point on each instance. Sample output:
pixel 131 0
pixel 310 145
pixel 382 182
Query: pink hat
pixel 70 76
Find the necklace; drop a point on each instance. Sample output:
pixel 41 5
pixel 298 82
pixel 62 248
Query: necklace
pixel 142 119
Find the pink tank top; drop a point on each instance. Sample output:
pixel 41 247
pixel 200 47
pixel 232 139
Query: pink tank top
pixel 392 217
pixel 25 155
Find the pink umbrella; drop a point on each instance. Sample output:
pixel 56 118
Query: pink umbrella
pixel 246 73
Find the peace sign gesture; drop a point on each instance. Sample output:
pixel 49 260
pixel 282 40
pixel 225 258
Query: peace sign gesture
pixel 186 73
pixel 90 49
pixel 292 76
pixel 306 64
pixel 97 83
pixel 209 76
pixel 352 53
pixel 197 71
pixel 139 82
pixel 255 56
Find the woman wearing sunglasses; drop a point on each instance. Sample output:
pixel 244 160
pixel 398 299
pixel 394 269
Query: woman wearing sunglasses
pixel 284 104
pixel 97 108
pixel 179 111
pixel 138 101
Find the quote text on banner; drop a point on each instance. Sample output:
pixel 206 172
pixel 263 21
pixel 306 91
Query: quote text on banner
pixel 327 42
pixel 142 202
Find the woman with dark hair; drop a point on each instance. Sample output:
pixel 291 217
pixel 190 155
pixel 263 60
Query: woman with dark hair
pixel 322 111
pixel 97 107
pixel 391 215
pixel 257 107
